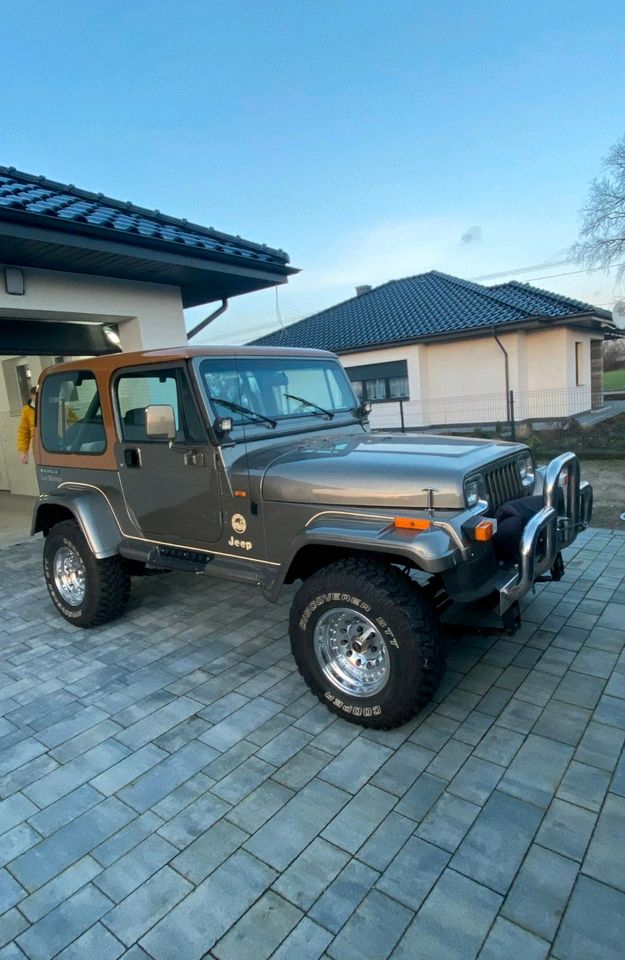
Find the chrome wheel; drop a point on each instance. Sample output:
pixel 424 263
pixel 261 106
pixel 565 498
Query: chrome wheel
pixel 351 652
pixel 69 576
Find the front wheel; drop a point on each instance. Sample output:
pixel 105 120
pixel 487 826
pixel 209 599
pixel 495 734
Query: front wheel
pixel 86 591
pixel 367 641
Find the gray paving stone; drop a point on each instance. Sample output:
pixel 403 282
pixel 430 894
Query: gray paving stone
pixel 259 806
pixel 135 867
pixel 351 769
pixel 96 944
pixel 152 726
pixel 293 827
pixel 604 860
pixel 336 736
pixel 579 689
pixel 161 779
pixel 11 925
pixel 53 893
pixel 447 822
pixel 70 843
pixel 306 942
pixel 12 952
pixel 386 841
pixel 47 937
pixel 593 924
pixel 245 778
pixel 536 770
pixel 540 892
pixel 566 829
pixel 336 905
pixel 58 733
pixel 284 746
pixel 596 663
pixel 65 810
pixel 192 928
pixel 193 820
pixel 473 728
pixel 301 768
pixel 311 873
pixel 494 847
pixel 600 746
pixel 209 851
pixel 506 940
pixel 359 818
pixel 128 769
pixel 66 778
pixel 154 899
pixel 434 732
pixel 260 930
pixel 85 741
pixel 562 721
pixel 452 922
pixel 499 745
pixel 372 930
pixel 125 839
pixel 14 810
pixel 476 780
pixel 618 781
pixel 611 711
pixel 226 762
pixel 236 726
pixel 402 768
pixel 16 841
pixel 448 761
pixel 10 891
pixel 584 785
pixel 413 872
pixel 422 794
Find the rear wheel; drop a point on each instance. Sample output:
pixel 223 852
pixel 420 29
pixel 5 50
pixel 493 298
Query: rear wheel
pixel 86 591
pixel 367 642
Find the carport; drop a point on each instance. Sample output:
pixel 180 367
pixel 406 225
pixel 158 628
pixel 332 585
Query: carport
pixel 84 274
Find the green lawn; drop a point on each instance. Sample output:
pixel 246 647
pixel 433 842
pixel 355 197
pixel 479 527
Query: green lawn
pixel 614 380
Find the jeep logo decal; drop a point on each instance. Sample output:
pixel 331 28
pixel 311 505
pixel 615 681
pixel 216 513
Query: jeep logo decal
pixel 239 523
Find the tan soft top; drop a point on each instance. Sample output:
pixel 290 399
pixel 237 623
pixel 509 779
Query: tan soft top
pixel 114 361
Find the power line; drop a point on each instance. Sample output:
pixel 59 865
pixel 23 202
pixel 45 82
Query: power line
pixel 518 270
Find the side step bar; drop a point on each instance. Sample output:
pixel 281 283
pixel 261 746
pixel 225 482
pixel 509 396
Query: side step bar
pixel 175 558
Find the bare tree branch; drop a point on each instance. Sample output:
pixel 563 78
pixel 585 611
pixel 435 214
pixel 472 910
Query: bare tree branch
pixel 602 233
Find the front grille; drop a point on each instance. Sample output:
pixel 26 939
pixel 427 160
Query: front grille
pixel 503 483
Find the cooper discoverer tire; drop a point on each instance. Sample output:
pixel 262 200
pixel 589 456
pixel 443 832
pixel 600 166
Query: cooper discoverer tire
pixel 367 641
pixel 86 591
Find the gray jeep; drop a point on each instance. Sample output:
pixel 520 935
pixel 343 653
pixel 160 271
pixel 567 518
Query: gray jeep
pixel 259 465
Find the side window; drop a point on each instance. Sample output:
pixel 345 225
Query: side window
pixel 136 391
pixel 70 414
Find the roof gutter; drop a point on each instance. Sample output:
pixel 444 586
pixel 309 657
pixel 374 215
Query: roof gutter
pixel 209 319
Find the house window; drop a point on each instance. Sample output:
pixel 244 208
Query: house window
pixel 380 382
pixel 579 363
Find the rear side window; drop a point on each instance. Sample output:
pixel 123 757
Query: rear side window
pixel 138 390
pixel 70 414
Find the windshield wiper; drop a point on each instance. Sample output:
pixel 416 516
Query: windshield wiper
pixel 237 408
pixel 309 403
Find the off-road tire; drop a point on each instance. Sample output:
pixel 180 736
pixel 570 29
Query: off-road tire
pixel 407 621
pixel 107 582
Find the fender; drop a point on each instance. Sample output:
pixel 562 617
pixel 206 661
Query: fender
pixel 92 512
pixel 432 551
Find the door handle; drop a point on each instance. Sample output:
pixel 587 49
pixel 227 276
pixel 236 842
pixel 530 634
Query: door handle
pixel 132 457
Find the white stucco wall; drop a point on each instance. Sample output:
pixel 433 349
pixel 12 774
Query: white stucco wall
pixel 149 314
pixel 464 381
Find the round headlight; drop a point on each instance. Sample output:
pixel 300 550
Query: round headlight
pixel 527 470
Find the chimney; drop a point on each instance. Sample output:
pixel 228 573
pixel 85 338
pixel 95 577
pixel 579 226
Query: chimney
pixel 365 288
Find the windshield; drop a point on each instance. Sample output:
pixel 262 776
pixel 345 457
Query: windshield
pixel 278 389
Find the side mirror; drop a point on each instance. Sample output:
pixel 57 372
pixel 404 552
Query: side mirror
pixel 364 409
pixel 160 422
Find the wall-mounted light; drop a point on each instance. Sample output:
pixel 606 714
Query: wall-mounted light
pixel 112 335
pixel 14 281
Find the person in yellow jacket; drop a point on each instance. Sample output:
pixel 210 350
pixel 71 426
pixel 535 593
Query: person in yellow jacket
pixel 26 429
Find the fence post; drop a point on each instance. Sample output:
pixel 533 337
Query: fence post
pixel 512 424
pixel 401 415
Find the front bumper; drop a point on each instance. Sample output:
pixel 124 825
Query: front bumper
pixel 567 510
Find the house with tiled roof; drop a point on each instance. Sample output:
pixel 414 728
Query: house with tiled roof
pixel 452 350
pixel 82 274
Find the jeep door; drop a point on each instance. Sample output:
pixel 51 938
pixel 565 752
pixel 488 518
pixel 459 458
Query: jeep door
pixel 171 490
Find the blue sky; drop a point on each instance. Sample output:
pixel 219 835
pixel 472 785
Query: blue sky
pixel 371 140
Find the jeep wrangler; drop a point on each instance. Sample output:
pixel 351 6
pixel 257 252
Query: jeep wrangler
pixel 259 465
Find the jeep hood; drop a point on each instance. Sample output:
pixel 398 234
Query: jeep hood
pixel 379 470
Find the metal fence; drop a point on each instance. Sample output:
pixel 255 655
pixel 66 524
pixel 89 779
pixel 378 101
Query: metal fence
pixel 499 412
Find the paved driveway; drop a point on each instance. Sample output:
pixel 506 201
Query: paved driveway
pixel 169 789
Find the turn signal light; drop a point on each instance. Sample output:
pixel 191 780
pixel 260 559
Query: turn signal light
pixel 407 523
pixel 484 530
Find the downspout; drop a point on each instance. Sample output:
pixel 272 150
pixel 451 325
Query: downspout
pixel 507 372
pixel 209 319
